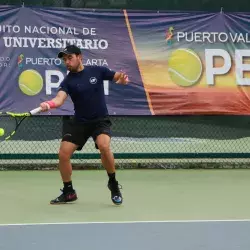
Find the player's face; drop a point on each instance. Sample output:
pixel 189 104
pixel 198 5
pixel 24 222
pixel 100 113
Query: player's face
pixel 72 62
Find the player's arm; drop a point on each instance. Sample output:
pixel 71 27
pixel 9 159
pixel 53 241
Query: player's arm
pixel 60 98
pixel 55 102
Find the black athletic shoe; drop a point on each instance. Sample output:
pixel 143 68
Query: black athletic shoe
pixel 116 195
pixel 65 197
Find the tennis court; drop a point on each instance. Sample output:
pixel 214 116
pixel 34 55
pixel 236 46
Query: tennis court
pixel 185 178
pixel 171 209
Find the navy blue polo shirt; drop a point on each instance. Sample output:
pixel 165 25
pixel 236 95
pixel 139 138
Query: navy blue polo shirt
pixel 87 91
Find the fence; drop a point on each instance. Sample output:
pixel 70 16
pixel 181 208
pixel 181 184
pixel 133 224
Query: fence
pixel 142 142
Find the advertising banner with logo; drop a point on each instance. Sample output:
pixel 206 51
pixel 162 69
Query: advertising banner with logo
pixel 177 62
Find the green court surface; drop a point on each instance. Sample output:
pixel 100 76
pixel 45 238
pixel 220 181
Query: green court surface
pixel 149 195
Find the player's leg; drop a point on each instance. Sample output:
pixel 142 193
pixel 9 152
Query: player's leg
pixel 102 138
pixel 68 193
pixel 73 139
pixel 65 152
pixel 107 157
pixel 67 149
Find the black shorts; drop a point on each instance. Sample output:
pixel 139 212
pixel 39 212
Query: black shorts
pixel 79 132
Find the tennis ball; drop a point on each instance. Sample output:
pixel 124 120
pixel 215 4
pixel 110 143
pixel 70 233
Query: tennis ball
pixel 1 131
pixel 30 82
pixel 184 67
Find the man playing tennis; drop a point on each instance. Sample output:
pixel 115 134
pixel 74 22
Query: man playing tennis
pixel 84 84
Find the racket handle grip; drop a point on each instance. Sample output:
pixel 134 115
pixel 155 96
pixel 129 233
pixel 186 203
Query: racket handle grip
pixel 35 111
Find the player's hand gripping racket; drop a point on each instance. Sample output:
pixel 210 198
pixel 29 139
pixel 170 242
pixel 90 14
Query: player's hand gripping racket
pixel 10 122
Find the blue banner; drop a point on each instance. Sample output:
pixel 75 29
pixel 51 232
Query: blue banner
pixel 30 71
pixel 179 63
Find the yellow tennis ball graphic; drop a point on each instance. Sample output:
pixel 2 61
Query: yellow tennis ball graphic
pixel 184 67
pixel 30 82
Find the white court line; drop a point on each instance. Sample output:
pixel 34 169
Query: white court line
pixel 122 222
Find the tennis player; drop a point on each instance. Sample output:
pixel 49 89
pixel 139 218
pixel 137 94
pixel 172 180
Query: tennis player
pixel 84 85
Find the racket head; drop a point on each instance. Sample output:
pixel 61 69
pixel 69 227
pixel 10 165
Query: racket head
pixel 10 122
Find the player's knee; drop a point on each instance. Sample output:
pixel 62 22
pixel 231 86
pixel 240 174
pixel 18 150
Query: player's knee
pixel 103 147
pixel 64 155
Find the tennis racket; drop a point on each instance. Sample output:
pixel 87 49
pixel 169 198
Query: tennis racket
pixel 10 122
